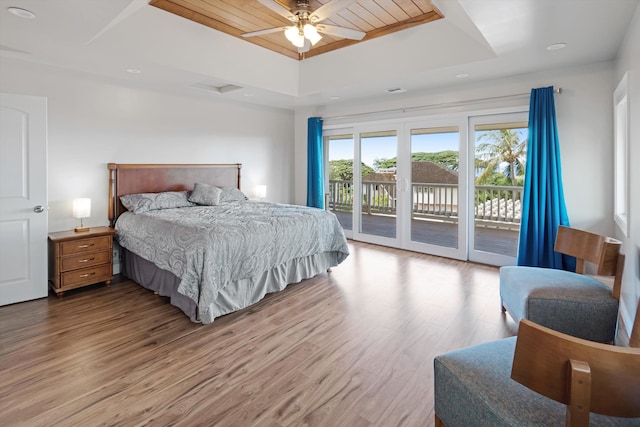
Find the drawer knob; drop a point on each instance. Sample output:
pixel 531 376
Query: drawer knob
pixel 86 260
pixel 88 274
pixel 86 246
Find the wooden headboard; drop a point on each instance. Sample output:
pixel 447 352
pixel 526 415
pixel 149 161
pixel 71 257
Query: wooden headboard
pixel 156 178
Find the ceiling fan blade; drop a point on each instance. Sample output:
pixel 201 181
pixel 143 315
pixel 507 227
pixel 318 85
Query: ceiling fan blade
pixel 263 32
pixel 277 8
pixel 345 33
pixel 329 9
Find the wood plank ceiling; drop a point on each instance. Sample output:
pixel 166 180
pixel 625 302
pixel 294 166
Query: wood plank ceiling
pixel 374 17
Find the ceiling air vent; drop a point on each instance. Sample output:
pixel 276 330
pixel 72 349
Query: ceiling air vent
pixel 395 90
pixel 217 89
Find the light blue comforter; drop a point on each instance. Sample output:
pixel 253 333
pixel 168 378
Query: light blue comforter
pixel 211 246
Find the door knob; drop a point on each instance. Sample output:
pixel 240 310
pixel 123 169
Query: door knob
pixel 38 209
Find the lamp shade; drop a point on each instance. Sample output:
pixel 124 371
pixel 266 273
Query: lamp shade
pixel 82 208
pixel 311 33
pixel 261 191
pixel 293 35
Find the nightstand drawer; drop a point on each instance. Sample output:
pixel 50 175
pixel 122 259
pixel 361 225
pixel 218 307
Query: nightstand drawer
pixel 85 245
pixel 87 275
pixel 85 260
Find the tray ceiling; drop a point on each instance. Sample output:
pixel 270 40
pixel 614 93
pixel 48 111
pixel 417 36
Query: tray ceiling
pixel 375 17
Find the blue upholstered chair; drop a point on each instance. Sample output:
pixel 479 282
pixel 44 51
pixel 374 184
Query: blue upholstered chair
pixel 540 378
pixel 572 303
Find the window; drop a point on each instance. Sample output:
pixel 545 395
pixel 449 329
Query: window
pixel 621 156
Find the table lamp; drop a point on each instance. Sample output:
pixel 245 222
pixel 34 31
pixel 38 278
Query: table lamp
pixel 81 209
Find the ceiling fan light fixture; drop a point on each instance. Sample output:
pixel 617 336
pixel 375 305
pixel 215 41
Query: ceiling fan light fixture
pixel 293 35
pixel 311 33
pixel 303 33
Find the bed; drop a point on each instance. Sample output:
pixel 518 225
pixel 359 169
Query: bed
pixel 188 233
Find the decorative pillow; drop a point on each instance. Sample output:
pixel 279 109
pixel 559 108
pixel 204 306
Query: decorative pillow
pixel 230 194
pixel 144 202
pixel 205 194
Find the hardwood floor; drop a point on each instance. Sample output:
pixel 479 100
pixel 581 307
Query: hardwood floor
pixel 353 347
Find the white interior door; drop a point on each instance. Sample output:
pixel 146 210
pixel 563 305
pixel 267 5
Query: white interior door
pixel 23 198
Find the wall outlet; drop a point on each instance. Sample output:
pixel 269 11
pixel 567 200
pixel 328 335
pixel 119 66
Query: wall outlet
pixel 117 253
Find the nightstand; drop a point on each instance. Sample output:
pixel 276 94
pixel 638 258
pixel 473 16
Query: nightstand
pixel 78 259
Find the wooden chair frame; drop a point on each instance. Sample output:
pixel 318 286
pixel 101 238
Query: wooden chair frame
pixel 602 251
pixel 586 376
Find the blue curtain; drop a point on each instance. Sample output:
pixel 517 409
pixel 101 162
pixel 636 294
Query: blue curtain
pixel 315 164
pixel 543 207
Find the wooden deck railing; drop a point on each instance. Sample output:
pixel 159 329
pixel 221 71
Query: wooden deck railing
pixel 492 204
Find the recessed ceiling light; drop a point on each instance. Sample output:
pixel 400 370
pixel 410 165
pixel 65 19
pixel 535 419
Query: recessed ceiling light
pixel 248 94
pixel 134 71
pixel 334 97
pixel 556 46
pixel 462 75
pixel 21 13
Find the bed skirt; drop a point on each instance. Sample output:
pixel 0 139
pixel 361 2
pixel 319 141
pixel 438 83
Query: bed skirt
pixel 235 295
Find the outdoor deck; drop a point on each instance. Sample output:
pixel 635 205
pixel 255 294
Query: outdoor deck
pixel 487 238
pixel 496 210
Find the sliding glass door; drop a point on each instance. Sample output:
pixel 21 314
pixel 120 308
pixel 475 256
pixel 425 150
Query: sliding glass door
pixel 401 184
pixel 360 182
pixel 434 186
pixel 498 146
pixel 339 183
pixel 445 186
pixel 435 203
pixel 378 213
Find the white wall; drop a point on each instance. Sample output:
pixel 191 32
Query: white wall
pixel 629 61
pixel 93 122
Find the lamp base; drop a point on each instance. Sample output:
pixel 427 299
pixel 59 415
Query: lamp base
pixel 80 229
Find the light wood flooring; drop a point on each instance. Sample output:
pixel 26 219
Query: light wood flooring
pixel 353 347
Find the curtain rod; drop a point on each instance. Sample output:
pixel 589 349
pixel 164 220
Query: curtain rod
pixel 438 105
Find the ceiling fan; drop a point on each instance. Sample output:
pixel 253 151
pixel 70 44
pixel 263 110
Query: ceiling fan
pixel 305 28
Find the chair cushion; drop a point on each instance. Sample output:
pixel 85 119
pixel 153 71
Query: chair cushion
pixel 567 302
pixel 473 387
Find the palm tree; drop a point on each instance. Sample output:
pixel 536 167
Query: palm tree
pixel 502 146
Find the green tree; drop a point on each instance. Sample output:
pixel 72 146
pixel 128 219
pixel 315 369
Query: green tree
pixel 384 163
pixel 500 179
pixel 343 170
pixel 447 158
pixel 501 146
